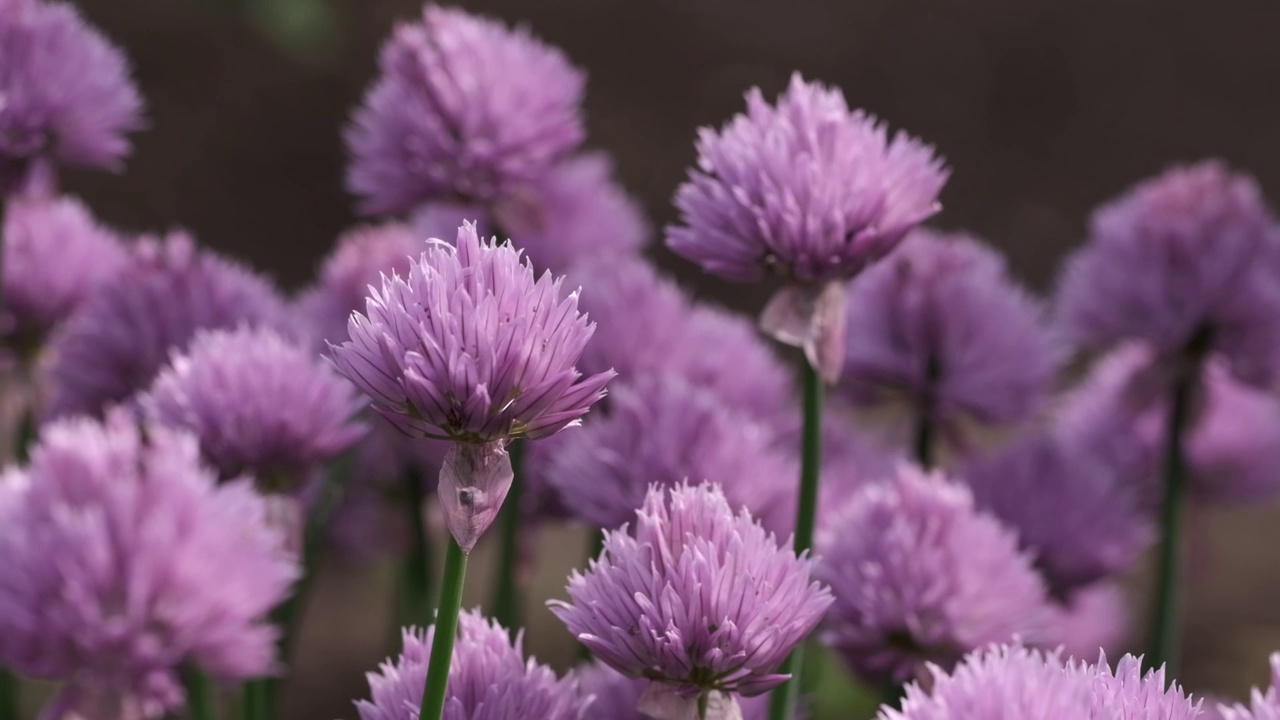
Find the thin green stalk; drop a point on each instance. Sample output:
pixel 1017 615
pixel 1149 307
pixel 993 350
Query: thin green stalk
pixel 506 591
pixel 415 568
pixel 703 700
pixel 202 696
pixel 455 571
pixel 924 440
pixel 783 701
pixel 255 701
pixel 8 696
pixel 1166 631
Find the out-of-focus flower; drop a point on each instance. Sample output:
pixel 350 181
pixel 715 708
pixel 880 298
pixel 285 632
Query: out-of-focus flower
pixel 122 335
pixel 464 109
pixel 1185 262
pixel 65 92
pixel 807 190
pixel 488 678
pixel 1263 704
pixel 125 562
pixel 701 601
pixel 1094 619
pixel 920 577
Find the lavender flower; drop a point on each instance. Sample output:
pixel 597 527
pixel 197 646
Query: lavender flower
pixel 464 109
pixel 615 696
pixel 941 327
pixel 1263 704
pixel 65 92
pixel 117 341
pixel 489 678
pixel 921 577
pixel 809 191
pixel 125 562
pixel 259 404
pixel 1186 263
pixel 55 256
pixel 470 348
pixel 661 430
pixel 699 600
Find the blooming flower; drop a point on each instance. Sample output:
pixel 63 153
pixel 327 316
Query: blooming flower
pixel 470 348
pixel 807 190
pixel 117 341
pixel 65 92
pixel 921 577
pixel 1186 263
pixel 125 562
pixel 464 109
pixel 700 600
pixel 1263 704
pixel 488 678
pixel 258 403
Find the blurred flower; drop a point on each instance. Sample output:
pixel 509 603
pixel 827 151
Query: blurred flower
pixel 464 109
pixel 1094 619
pixel 489 678
pixel 470 348
pixel 122 335
pixel 55 256
pixel 65 92
pixel 1185 262
pixel 124 561
pixel 1263 705
pixel 940 326
pixel 807 190
pixel 921 577
pixel 258 403
pixel 699 600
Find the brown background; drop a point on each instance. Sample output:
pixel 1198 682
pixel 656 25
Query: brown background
pixel 1043 108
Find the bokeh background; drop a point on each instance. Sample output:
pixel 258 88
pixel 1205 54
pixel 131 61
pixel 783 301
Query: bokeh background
pixel 1043 109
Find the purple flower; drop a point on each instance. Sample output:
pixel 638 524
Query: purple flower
pixel 661 430
pixel 699 599
pixel 65 92
pixel 615 696
pixel 1263 705
pixel 488 678
pixel 471 348
pixel 258 403
pixel 125 562
pixel 1186 263
pixel 1094 619
pixel 807 190
pixel 122 335
pixel 922 577
pixel 941 327
pixel 55 256
pixel 464 109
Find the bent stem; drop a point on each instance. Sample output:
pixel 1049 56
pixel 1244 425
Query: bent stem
pixel 784 697
pixel 506 591
pixel 415 568
pixel 455 571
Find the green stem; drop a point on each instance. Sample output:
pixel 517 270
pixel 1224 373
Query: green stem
pixel 1166 620
pixel 455 571
pixel 506 591
pixel 202 697
pixel 703 700
pixel 255 701
pixel 415 569
pixel 783 700
pixel 8 695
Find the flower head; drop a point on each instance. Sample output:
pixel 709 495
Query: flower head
pixel 1263 704
pixel 122 335
pixel 464 109
pixel 699 599
pixel 125 562
pixel 921 577
pixel 1186 263
pixel 259 404
pixel 488 678
pixel 65 92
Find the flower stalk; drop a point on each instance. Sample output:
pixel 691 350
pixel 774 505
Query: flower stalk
pixel 446 627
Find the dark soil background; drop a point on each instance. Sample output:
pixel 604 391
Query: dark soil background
pixel 1043 108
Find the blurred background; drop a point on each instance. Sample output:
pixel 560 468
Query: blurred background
pixel 1043 109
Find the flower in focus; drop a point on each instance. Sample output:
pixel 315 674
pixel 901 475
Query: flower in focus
pixel 125 561
pixel 921 577
pixel 1263 704
pixel 807 190
pixel 122 335
pixel 1185 262
pixel 464 109
pixel 700 600
pixel 259 404
pixel 941 327
pixel 470 348
pixel 488 678
pixel 65 92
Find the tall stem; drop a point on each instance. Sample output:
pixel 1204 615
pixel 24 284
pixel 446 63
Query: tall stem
pixel 415 569
pixel 8 695
pixel 784 697
pixel 455 572
pixel 202 697
pixel 506 591
pixel 1166 631
pixel 924 436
